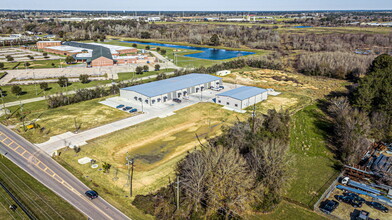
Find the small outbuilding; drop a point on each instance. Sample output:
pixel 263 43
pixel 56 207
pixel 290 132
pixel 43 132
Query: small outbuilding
pixel 241 97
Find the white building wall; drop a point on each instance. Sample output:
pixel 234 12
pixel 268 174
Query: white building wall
pixel 170 96
pixel 231 102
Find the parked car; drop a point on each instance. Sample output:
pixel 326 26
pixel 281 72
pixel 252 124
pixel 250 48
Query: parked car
pixel 120 106
pixel 127 108
pixel 378 206
pixel 362 215
pixel 91 194
pixel 177 100
pixel 133 110
pixel 355 196
pixel 328 206
pixel 350 200
pixel 222 87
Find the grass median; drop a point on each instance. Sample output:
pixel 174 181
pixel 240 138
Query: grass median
pixel 74 117
pixel 42 202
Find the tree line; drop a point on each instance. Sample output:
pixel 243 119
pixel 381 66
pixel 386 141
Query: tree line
pixel 333 64
pixel 364 115
pixel 245 169
pixel 256 37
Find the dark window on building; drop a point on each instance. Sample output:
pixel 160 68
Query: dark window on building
pixel 227 103
pixel 236 105
pixel 219 101
pixel 135 98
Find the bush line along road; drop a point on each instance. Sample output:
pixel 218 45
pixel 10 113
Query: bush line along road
pixel 43 168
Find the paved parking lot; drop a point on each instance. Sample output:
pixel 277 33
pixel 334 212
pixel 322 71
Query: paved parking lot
pixel 162 109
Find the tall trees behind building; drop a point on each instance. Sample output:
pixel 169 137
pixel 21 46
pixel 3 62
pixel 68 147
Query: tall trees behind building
pixel 244 169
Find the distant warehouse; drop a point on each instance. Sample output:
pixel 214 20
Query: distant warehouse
pixel 168 89
pixel 242 97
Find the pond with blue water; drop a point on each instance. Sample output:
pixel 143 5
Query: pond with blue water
pixel 205 52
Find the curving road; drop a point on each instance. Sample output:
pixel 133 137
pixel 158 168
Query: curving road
pixel 43 168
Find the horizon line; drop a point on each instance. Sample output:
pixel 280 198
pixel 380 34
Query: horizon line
pixel 113 10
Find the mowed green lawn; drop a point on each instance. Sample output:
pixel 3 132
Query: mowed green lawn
pixel 41 201
pixel 132 75
pixel 32 91
pixel 314 165
pixel 87 114
pixel 36 64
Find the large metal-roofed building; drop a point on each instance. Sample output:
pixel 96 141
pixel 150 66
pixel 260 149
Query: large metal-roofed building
pixel 242 97
pixel 168 89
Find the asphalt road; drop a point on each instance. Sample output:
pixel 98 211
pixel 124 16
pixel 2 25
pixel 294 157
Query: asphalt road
pixel 46 170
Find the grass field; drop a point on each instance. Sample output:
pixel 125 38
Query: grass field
pixel 37 64
pixel 41 201
pixel 32 91
pixel 285 82
pixel 131 75
pixel 156 145
pixel 314 165
pixel 56 121
pixel 343 30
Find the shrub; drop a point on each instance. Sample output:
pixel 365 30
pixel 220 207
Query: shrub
pixel 63 81
pixel 15 89
pixel 43 86
pixel 84 78
pixel 139 70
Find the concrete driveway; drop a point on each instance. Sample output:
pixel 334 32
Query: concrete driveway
pixel 149 112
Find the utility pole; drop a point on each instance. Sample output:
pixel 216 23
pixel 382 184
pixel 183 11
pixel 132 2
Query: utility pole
pixel 178 193
pixel 130 163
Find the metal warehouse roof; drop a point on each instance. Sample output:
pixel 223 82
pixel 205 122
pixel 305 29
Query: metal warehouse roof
pixel 98 51
pixel 242 93
pixel 172 84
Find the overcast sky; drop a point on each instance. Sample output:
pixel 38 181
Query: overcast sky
pixel 197 5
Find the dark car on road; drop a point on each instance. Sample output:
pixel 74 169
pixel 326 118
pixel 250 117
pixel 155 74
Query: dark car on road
pixel 328 206
pixel 177 100
pixel 91 194
pixel 378 206
pixel 350 200
pixel 355 196
pixel 133 110
pixel 120 106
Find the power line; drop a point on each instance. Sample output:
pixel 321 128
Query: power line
pixel 5 198
pixel 33 191
pixel 26 196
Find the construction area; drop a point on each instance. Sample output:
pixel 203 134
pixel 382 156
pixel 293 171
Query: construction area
pixel 364 187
